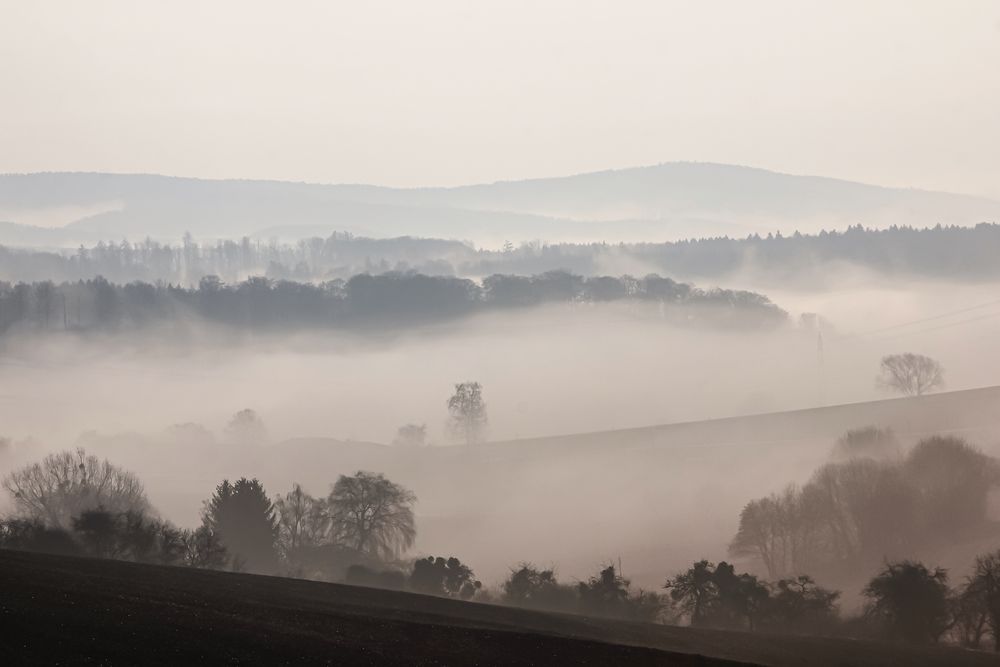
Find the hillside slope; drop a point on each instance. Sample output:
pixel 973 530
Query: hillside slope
pixel 561 499
pixel 58 610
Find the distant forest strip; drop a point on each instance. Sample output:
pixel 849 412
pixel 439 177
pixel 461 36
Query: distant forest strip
pixel 365 300
pixel 963 253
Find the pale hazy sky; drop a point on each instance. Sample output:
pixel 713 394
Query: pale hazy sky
pixel 457 91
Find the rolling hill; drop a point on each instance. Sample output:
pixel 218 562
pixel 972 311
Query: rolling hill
pixel 657 497
pixel 662 202
pixel 60 610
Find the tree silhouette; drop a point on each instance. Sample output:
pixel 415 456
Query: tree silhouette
pixel 910 600
pixel 468 412
pixel 64 485
pixel 33 535
pixel 527 586
pixel 798 603
pixel 372 515
pixel 302 519
pixel 605 594
pixel 411 435
pixel 247 426
pixel 694 591
pixel 98 531
pixel 952 480
pixel 868 442
pixel 447 577
pixel 243 518
pixel 715 595
pixel 910 374
pixel 984 589
pixel 363 301
pixel 203 549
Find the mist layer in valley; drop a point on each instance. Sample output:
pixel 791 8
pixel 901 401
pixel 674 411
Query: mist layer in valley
pixel 331 403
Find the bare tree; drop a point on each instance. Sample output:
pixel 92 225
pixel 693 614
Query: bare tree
pixel 468 412
pixel 302 520
pixel 910 374
pixel 66 484
pixel 985 585
pixel 782 530
pixel 372 514
pixel 203 549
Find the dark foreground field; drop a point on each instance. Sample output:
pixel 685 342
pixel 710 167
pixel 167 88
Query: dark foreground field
pixel 56 610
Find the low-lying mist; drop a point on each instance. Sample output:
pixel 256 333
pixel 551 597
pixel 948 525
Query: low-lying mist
pixel 657 501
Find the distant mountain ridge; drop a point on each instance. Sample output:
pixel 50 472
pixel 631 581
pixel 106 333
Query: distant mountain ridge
pixel 663 202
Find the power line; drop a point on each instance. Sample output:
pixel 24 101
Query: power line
pixel 927 319
pixel 943 326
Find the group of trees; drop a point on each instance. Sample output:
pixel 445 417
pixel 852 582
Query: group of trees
pixel 341 255
pixel 904 601
pixel 72 502
pixel 911 602
pixel 948 251
pixel 365 519
pixel 362 301
pixel 710 595
pixel 854 513
pixel 941 251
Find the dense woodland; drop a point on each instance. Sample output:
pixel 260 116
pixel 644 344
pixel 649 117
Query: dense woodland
pixel 363 300
pixel 942 252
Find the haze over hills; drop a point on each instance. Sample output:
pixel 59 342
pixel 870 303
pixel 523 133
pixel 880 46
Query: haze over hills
pixel 662 202
pixel 467 490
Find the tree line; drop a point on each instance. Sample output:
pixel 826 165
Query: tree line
pixel 874 503
pixel 940 251
pixel 359 533
pixel 365 300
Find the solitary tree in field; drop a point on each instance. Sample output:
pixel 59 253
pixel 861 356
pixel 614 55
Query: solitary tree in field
pixel 910 374
pixel 468 412
pixel 373 515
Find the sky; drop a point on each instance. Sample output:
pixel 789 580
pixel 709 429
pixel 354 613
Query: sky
pixel 447 92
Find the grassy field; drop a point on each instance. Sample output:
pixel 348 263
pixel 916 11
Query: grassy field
pixel 57 610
